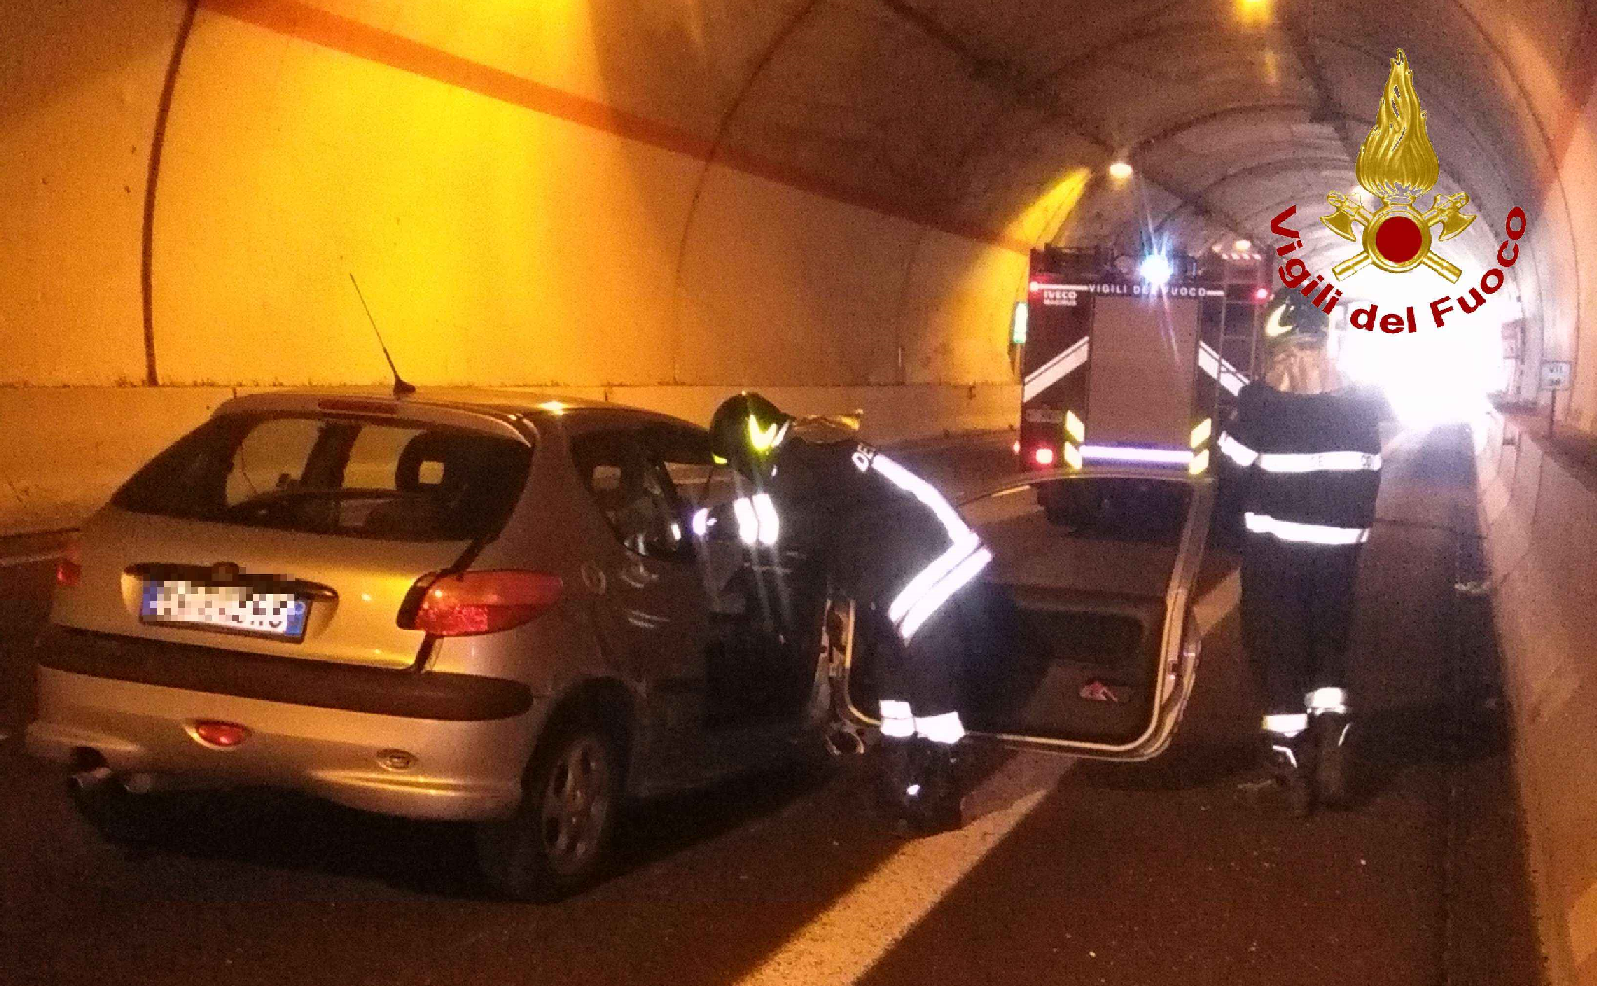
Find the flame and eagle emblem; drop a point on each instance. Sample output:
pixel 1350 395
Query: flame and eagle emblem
pixel 1397 164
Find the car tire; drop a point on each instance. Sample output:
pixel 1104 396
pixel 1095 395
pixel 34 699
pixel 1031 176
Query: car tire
pixel 558 841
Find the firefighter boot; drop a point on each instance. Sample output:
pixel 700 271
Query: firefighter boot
pixel 936 802
pixel 1288 761
pixel 896 776
pixel 1286 764
pixel 1332 758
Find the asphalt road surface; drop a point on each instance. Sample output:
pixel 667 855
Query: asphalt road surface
pixel 1071 872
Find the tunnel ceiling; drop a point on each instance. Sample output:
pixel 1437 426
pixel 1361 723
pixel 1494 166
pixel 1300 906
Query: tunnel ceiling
pixel 812 165
pixel 1231 110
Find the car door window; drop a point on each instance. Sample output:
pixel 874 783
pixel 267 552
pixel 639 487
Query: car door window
pixel 684 454
pixel 632 492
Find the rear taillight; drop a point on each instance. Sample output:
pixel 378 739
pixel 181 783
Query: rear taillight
pixel 223 735
pixel 69 567
pixel 1044 456
pixel 477 602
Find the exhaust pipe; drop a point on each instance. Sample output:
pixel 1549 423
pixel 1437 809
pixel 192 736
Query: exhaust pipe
pixel 91 780
pixel 843 739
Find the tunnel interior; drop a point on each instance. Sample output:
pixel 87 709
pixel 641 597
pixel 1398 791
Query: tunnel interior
pixel 831 198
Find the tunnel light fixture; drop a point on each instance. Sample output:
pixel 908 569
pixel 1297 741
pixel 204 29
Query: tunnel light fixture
pixel 1017 327
pixel 1155 269
pixel 1120 170
pixel 1253 11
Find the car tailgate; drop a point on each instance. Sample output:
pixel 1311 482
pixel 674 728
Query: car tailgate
pixel 353 587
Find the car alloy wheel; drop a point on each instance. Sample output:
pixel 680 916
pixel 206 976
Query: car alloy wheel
pixel 557 841
pixel 576 804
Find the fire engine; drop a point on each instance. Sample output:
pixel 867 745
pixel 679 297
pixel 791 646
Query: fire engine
pixel 1133 362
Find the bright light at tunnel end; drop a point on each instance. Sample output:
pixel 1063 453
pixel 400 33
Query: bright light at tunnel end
pixel 1436 359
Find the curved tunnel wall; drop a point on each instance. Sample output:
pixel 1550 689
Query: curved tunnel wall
pixel 828 198
pixel 565 202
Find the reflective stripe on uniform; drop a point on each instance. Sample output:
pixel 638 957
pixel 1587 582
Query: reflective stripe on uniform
pixel 945 729
pixel 1297 462
pixel 1291 530
pixel 748 525
pixel 756 517
pixel 1326 700
pixel 939 593
pixel 1288 725
pixel 1320 462
pixel 897 720
pixel 769 525
pixel 928 584
pixel 1236 451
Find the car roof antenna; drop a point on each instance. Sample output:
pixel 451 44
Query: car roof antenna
pixel 401 388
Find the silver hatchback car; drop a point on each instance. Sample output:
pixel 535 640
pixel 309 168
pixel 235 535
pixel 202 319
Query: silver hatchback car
pixel 483 607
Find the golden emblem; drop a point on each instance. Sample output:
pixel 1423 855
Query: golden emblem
pixel 1396 164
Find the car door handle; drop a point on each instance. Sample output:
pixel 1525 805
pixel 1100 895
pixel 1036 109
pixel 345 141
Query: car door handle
pixel 644 620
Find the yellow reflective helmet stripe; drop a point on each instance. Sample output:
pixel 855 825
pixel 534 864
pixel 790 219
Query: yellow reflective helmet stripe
pixel 766 438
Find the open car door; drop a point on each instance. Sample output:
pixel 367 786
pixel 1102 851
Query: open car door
pixel 1080 634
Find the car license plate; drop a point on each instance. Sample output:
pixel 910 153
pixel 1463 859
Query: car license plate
pixel 233 608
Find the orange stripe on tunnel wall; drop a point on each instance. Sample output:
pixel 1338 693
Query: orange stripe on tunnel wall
pixel 352 37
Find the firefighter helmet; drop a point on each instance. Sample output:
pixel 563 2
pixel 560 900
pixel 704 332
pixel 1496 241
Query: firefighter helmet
pixel 746 429
pixel 1292 318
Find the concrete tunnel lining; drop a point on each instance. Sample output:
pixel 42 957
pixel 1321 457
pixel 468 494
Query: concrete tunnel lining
pixel 818 193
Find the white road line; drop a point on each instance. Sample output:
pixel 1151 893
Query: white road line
pixel 843 942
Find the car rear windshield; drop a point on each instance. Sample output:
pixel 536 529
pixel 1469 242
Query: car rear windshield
pixel 354 477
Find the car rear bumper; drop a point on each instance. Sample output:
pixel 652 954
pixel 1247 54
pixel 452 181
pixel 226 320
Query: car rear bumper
pixel 460 768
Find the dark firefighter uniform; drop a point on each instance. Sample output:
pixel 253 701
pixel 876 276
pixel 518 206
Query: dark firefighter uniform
pixel 1304 464
pixel 887 538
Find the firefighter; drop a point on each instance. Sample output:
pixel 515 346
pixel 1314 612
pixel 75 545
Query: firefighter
pixel 1303 463
pixel 886 537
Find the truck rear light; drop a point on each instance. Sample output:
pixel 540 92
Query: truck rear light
pixel 1044 456
pixel 477 602
pixel 69 567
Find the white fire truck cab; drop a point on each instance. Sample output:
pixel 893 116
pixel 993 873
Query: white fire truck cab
pixel 1125 361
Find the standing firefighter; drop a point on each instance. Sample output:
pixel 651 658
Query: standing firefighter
pixel 886 537
pixel 1305 466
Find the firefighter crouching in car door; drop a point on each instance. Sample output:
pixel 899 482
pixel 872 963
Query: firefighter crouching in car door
pixel 1305 466
pixel 890 540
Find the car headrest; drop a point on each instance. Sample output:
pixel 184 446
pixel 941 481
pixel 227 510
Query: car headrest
pixel 446 450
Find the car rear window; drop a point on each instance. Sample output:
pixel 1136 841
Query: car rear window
pixel 387 479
